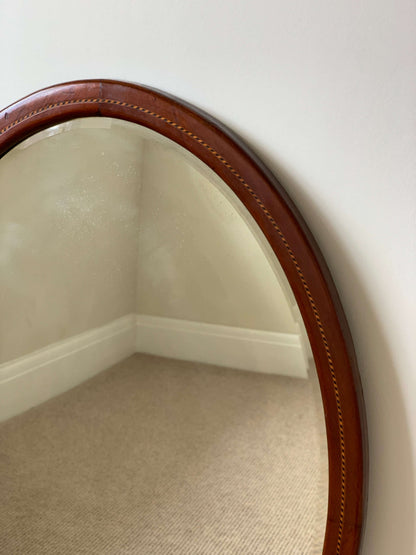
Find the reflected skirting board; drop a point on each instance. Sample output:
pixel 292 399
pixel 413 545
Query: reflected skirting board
pixel 32 379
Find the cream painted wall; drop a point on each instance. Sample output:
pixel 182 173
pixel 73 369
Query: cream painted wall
pixel 100 219
pixel 68 233
pixel 325 93
pixel 198 258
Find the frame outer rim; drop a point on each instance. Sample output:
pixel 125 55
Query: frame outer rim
pixel 345 510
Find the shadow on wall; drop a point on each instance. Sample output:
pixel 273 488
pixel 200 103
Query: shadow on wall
pixel 391 469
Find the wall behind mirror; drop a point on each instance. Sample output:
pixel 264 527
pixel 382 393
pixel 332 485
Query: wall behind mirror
pixel 116 241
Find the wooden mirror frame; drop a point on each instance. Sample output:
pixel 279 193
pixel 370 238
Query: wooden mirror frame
pixel 289 237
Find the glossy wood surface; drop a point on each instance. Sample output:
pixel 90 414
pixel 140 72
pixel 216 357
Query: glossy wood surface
pixel 287 234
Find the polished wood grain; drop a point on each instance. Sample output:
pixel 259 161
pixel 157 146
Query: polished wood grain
pixel 288 235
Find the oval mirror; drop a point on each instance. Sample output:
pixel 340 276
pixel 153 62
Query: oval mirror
pixel 176 373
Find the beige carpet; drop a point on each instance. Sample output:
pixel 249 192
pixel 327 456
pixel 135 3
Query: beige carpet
pixel 157 456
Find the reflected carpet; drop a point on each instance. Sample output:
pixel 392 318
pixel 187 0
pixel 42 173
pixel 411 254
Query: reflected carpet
pixel 159 456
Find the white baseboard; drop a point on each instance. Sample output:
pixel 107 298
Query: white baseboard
pixel 32 379
pixel 29 380
pixel 241 348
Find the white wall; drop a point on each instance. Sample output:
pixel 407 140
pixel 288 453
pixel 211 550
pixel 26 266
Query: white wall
pixel 101 218
pixel 69 227
pixel 325 92
pixel 201 254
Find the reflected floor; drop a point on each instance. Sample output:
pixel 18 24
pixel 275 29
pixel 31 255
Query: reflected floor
pixel 159 456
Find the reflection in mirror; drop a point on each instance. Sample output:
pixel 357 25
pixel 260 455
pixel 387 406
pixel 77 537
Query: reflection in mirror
pixel 157 389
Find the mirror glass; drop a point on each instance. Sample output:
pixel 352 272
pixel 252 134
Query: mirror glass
pixel 157 387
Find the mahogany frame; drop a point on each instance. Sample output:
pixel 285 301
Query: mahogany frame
pixel 289 238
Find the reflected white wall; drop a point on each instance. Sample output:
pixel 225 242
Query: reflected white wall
pixel 68 234
pixel 199 260
pixel 100 219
